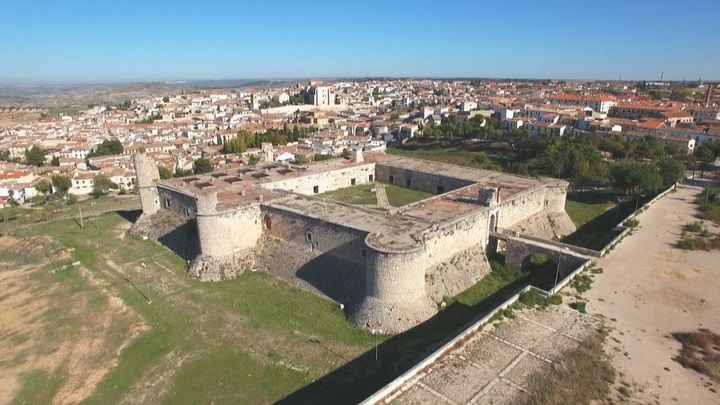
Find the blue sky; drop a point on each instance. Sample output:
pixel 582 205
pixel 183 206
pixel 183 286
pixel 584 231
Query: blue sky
pixel 120 41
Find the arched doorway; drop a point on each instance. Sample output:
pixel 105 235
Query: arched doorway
pixel 542 269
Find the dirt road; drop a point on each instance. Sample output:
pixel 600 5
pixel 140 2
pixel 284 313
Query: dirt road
pixel 650 289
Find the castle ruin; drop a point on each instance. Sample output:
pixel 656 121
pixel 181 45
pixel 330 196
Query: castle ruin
pixel 390 269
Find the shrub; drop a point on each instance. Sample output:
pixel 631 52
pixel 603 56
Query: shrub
pixel 555 299
pixel 582 283
pixel 579 306
pixel 694 227
pixel 533 299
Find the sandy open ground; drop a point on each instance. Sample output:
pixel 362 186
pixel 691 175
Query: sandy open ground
pixel 650 289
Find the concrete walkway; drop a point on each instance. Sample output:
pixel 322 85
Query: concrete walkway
pixel 381 196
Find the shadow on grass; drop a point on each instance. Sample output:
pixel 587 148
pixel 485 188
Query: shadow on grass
pixel 363 376
pixel 130 215
pixel 600 231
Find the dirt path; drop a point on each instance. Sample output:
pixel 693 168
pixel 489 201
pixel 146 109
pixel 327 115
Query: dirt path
pixel 381 195
pixel 651 289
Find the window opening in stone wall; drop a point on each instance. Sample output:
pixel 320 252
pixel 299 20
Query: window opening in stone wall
pixel 352 182
pixel 267 221
pixel 370 178
pixel 167 203
pixel 316 189
pixel 309 236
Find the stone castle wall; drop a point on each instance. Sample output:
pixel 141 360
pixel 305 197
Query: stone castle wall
pixel 227 239
pixel 428 182
pixel 180 203
pixel 382 288
pixel 326 181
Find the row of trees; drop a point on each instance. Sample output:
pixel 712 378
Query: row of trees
pixel 246 139
pixel 586 160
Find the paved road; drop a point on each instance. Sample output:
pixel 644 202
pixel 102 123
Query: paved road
pixel 651 289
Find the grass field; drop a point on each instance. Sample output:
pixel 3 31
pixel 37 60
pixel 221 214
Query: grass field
pixel 596 214
pixel 584 208
pixel 399 196
pixel 12 218
pixel 252 339
pixel 87 331
pixel 364 194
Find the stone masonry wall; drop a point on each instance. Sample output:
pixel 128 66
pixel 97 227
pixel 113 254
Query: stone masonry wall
pixel 427 182
pixel 180 203
pixel 327 181
pixel 328 257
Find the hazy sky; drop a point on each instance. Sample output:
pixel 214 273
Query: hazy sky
pixel 118 41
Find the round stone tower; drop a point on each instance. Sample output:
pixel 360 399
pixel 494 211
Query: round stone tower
pixel 395 297
pixel 147 177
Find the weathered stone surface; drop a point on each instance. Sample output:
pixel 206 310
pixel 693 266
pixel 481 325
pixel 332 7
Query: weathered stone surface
pixel 211 268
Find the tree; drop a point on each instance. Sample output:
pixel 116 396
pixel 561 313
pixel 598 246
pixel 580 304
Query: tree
pixel 636 178
pixel 61 183
pixel 44 187
pixel 55 161
pixel 35 156
pixel 671 171
pixel 201 166
pixel 102 185
pixel 235 145
pixel 164 172
pixel 166 99
pixel 108 147
pixel 253 160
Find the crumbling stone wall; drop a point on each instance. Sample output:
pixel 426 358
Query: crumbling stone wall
pixel 147 176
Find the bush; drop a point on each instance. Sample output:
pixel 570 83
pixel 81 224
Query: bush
pixel 555 299
pixel 694 227
pixel 632 223
pixel 533 299
pixel 582 283
pixel 579 306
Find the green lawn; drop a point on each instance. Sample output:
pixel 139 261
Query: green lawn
pixel 252 339
pixel 582 212
pixel 13 218
pixel 399 196
pixel 596 214
pixel 364 194
pixel 360 194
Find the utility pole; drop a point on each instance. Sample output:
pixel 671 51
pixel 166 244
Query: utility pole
pixel 81 218
pixel 147 285
pixel 557 272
